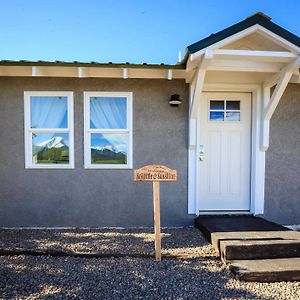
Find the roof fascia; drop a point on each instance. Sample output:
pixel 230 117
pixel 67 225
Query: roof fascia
pixel 255 28
pixel 23 63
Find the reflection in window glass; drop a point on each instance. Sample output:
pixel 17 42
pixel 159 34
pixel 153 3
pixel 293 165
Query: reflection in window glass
pixel 216 116
pixel 108 112
pixel 50 148
pixel 48 112
pixel 232 105
pixel 108 148
pixel 216 105
pixel 232 116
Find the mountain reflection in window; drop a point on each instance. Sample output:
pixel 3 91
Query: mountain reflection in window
pixel 232 116
pixel 50 148
pixel 108 148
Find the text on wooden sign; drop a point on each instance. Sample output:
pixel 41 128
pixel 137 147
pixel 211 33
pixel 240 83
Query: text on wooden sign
pixel 155 173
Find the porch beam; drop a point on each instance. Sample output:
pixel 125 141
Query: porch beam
pixel 293 66
pixel 271 56
pixel 285 76
pixel 207 57
pixel 244 66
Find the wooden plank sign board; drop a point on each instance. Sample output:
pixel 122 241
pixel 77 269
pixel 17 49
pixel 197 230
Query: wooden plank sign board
pixel 155 174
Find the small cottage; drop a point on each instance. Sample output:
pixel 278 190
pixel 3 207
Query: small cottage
pixel 226 117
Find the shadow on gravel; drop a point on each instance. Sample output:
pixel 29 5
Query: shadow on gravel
pixel 24 277
pixel 106 241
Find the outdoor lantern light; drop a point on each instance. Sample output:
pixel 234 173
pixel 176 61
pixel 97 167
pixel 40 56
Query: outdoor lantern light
pixel 175 101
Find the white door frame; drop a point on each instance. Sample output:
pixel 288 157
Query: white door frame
pixel 257 156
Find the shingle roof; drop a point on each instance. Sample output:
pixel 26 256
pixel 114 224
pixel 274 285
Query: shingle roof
pixel 258 18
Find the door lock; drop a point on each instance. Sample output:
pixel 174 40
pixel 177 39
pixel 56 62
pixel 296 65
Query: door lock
pixel 201 153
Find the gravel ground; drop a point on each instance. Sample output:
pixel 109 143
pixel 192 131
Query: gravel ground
pixel 199 276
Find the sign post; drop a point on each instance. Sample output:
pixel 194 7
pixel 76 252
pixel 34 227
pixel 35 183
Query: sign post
pixel 156 173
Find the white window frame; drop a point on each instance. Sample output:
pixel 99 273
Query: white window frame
pixel 28 130
pixel 224 111
pixel 88 130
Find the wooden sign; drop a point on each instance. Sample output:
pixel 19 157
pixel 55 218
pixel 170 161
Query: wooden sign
pixel 156 173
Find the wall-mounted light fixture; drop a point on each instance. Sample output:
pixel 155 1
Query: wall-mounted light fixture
pixel 175 100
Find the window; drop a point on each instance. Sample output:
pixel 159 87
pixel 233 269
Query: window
pixel 49 130
pixel 224 110
pixel 108 132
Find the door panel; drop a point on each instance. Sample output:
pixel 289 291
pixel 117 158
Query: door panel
pixel 225 136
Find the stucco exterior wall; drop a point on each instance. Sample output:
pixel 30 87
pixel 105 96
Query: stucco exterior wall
pixel 282 184
pixel 81 197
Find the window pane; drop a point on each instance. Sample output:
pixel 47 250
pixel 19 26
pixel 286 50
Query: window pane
pixel 108 112
pixel 216 116
pixel 108 148
pixel 233 105
pixel 50 148
pixel 49 112
pixel 232 116
pixel 216 104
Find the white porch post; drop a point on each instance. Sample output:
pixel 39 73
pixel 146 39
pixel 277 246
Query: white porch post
pixel 195 94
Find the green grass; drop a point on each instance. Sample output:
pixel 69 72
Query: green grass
pixel 40 161
pixel 106 162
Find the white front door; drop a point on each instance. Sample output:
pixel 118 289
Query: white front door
pixel 224 152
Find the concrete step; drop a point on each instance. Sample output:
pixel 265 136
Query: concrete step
pixel 258 249
pixel 266 270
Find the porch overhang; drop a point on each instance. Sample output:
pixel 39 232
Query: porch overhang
pixel 261 59
pixel 286 65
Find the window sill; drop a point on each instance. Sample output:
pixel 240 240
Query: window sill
pixel 52 167
pixel 107 167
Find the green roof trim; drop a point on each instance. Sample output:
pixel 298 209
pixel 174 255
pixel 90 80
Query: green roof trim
pixel 258 18
pixel 40 63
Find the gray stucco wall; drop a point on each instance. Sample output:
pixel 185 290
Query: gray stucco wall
pixel 282 185
pixel 81 197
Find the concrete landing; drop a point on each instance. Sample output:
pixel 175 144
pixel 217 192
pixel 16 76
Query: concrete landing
pixel 252 246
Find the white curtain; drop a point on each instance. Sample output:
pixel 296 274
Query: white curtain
pixel 108 113
pixel 48 112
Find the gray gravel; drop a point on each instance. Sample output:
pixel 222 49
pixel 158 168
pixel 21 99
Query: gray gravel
pixel 200 276
pixel 179 241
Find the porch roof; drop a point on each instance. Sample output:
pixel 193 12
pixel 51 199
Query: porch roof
pixel 258 18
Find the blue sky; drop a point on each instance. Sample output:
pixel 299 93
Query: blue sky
pixel 121 30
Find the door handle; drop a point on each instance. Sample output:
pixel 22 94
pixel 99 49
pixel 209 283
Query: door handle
pixel 201 153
